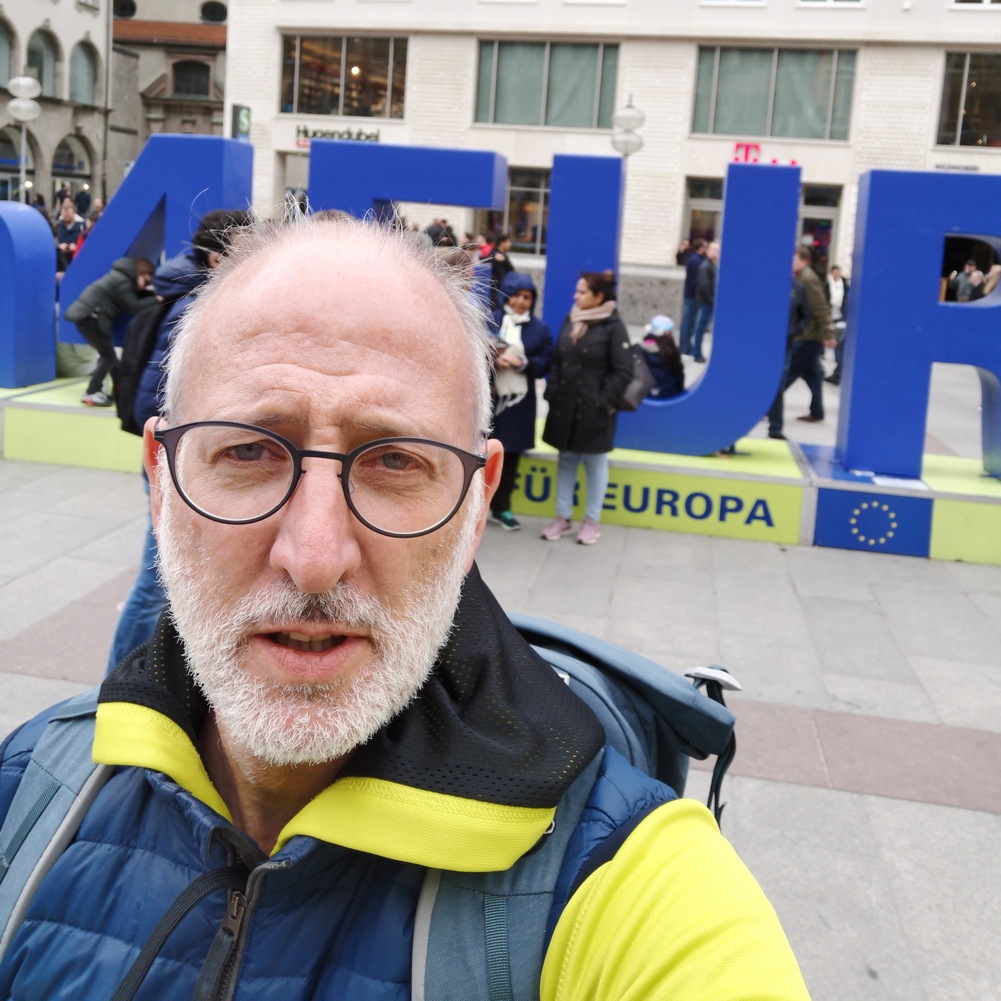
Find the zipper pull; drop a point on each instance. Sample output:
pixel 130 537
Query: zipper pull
pixel 236 908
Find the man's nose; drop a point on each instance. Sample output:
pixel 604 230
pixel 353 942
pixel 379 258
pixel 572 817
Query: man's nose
pixel 316 543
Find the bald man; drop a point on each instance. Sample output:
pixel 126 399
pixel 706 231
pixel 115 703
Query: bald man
pixel 338 770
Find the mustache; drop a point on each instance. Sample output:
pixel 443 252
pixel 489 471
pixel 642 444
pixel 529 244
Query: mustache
pixel 284 602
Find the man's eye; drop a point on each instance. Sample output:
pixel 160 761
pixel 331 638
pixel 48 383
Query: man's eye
pixel 248 452
pixel 397 461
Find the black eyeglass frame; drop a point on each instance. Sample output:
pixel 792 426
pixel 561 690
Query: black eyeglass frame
pixel 169 437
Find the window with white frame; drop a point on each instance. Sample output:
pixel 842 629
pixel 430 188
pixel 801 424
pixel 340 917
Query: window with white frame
pixel 343 75
pixel 792 93
pixel 971 100
pixel 566 84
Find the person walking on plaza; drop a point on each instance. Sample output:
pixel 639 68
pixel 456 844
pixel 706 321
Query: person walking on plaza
pixel 522 353
pixel 808 347
pixel 689 308
pixel 836 289
pixel 705 298
pixel 799 320
pixel 590 370
pixel 95 310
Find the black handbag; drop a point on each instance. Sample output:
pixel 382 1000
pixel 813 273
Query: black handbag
pixel 640 384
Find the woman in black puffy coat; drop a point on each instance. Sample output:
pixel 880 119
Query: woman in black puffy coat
pixel 590 370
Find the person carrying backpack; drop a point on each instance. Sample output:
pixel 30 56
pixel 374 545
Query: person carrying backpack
pixel 339 769
pixel 95 310
pixel 174 283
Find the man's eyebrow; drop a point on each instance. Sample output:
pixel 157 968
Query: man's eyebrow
pixel 274 420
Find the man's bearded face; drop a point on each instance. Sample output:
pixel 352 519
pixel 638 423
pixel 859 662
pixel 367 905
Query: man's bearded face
pixel 284 724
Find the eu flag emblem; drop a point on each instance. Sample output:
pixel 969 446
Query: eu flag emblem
pixel 888 523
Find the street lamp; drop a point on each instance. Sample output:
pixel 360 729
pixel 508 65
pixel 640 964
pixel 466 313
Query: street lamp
pixel 24 108
pixel 628 119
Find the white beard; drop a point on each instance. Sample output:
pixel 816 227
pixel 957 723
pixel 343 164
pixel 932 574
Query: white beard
pixel 309 724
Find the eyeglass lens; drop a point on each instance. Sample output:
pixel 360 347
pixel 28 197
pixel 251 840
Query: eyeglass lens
pixel 239 474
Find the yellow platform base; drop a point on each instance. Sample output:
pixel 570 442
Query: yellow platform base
pixel 48 423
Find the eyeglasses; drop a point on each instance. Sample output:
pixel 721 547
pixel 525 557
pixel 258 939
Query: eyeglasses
pixel 238 474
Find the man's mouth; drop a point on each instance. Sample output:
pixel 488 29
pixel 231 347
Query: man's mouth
pixel 310 644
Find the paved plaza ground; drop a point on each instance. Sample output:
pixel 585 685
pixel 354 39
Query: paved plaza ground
pixel 866 793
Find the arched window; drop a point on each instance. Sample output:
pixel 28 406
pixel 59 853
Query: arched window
pixel 125 8
pixel 5 46
pixel 192 79
pixel 42 61
pixel 214 12
pixel 83 73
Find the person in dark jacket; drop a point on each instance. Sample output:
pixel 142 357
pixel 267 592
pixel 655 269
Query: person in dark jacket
pixel 800 318
pixel 177 279
pixel 524 348
pixel 689 308
pixel 95 310
pixel 705 298
pixel 69 227
pixel 663 359
pixel 590 370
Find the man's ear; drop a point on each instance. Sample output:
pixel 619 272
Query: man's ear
pixel 153 455
pixel 491 480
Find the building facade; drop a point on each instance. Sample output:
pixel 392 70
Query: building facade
pixel 181 50
pixel 64 44
pixel 836 86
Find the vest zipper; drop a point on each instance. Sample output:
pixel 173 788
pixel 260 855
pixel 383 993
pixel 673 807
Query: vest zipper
pixel 233 932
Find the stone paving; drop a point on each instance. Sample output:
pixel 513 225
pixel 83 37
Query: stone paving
pixel 865 795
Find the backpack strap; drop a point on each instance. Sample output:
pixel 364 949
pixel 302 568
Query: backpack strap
pixel 483 934
pixel 59 784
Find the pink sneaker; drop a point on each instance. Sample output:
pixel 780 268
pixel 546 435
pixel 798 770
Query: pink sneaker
pixel 588 534
pixel 557 529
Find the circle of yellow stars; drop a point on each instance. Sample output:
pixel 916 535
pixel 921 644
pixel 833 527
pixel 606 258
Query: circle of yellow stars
pixel 891 518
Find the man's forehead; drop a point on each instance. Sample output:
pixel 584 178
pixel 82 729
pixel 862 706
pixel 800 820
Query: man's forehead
pixel 350 279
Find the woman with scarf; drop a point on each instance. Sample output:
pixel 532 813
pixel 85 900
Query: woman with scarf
pixel 524 348
pixel 591 368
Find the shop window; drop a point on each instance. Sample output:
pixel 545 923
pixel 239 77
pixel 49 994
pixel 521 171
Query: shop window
pixel 5 47
pixel 83 74
pixel 338 75
pixel 704 207
pixel 792 93
pixel 546 83
pixel 42 61
pixel 971 100
pixel 192 79
pixel 526 211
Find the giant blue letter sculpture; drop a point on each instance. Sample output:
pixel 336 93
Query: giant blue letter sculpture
pixel 360 177
pixel 27 297
pixel 750 323
pixel 897 327
pixel 175 181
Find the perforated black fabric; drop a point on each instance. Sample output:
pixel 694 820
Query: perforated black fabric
pixel 155 676
pixel 494 723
